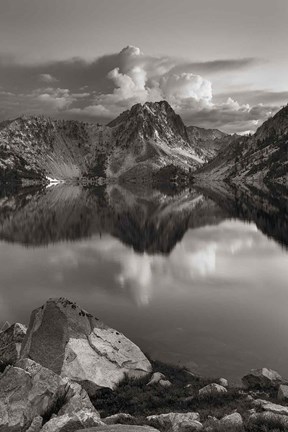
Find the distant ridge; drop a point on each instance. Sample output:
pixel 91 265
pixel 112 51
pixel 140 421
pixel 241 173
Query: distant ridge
pixel 257 159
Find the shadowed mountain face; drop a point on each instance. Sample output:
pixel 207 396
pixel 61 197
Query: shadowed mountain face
pixel 146 220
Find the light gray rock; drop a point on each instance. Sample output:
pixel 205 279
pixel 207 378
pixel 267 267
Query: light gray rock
pixel 261 378
pixel 36 424
pixel 74 344
pixel 174 421
pixel 249 398
pixel 232 420
pixel 212 389
pixel 26 391
pixel 156 377
pixel 165 383
pixel 10 343
pixel 223 382
pixel 271 407
pixel 120 428
pixel 76 401
pixel 282 393
pixel 63 423
pixel 192 426
pixel 264 417
pixel 116 418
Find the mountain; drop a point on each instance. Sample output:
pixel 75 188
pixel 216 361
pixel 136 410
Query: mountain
pixel 132 147
pixel 207 142
pixel 36 147
pixel 148 137
pixel 257 159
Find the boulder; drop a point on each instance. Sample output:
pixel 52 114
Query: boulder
pixel 212 390
pixel 261 378
pixel 192 426
pixel 119 428
pixel 269 419
pixel 271 407
pixel 76 401
pixel 74 344
pixel 28 390
pixel 117 418
pixel 223 382
pixel 156 377
pixel 174 421
pixel 165 383
pixel 36 424
pixel 70 423
pixel 282 393
pixel 232 420
pixel 10 344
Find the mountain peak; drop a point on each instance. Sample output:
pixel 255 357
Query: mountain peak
pixel 152 120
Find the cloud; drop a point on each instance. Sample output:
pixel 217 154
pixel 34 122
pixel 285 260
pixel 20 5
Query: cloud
pixel 218 66
pixel 55 99
pixel 47 78
pixel 230 116
pixel 105 87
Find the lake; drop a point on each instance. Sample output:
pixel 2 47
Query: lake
pixel 197 277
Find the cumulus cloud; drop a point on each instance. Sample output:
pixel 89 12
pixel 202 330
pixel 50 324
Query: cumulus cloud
pixel 105 87
pixel 140 79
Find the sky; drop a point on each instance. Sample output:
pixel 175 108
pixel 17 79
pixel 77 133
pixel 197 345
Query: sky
pixel 219 63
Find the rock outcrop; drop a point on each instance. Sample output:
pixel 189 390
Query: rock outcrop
pixel 10 344
pixel 72 343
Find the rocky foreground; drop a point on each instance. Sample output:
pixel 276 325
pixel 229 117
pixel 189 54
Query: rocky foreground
pixel 69 372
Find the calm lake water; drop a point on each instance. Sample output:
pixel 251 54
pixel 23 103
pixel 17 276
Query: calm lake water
pixel 197 278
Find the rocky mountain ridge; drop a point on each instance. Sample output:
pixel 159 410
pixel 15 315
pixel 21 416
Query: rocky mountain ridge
pixel 132 147
pixel 257 159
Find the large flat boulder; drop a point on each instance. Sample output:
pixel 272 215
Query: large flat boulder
pixel 10 344
pixel 72 343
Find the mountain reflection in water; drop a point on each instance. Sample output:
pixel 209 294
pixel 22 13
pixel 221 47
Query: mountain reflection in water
pixel 207 268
